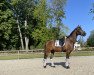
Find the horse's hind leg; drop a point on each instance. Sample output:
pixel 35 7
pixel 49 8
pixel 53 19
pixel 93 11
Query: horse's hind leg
pixel 67 60
pixel 52 54
pixel 45 59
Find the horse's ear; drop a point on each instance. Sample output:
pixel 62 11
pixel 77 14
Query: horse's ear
pixel 79 25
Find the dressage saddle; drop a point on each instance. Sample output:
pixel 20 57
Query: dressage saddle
pixel 59 42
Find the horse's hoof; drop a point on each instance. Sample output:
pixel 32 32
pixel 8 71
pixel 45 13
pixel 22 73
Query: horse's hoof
pixel 44 66
pixel 53 66
pixel 67 67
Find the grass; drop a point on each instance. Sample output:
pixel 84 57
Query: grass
pixel 20 56
pixel 11 56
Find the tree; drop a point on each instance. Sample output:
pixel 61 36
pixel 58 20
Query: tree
pixel 90 40
pixel 48 13
pixel 81 41
pixel 92 10
pixel 23 11
pixel 6 23
pixel 57 12
pixel 30 22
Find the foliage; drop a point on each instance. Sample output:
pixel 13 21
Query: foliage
pixel 90 40
pixel 81 41
pixel 6 23
pixel 92 10
pixel 57 12
pixel 44 22
pixel 46 16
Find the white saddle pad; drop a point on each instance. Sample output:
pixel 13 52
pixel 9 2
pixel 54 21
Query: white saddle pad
pixel 57 43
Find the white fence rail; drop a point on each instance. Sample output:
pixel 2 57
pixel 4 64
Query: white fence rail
pixel 22 51
pixel 21 54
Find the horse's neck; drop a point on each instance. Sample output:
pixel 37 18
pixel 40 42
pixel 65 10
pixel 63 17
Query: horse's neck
pixel 73 37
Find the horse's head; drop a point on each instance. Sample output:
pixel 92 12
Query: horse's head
pixel 80 31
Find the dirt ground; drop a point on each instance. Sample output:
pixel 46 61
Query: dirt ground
pixel 79 65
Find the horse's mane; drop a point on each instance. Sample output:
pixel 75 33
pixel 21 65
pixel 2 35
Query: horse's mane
pixel 72 32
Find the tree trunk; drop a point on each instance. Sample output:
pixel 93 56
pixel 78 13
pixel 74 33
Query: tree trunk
pixel 26 38
pixel 22 45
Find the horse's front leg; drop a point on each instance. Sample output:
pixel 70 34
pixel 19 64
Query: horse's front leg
pixel 52 63
pixel 44 63
pixel 45 59
pixel 67 60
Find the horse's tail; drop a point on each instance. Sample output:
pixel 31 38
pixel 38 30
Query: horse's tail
pixel 44 47
pixel 45 52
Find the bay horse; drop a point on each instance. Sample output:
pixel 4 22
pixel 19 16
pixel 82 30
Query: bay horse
pixel 68 47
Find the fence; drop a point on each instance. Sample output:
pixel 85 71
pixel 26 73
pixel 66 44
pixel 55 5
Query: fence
pixel 26 54
pixel 21 54
pixel 86 49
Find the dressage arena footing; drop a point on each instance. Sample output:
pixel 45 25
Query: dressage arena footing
pixel 79 65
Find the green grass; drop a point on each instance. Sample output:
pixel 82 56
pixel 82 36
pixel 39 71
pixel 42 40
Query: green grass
pixel 20 56
pixel 83 53
pixel 11 56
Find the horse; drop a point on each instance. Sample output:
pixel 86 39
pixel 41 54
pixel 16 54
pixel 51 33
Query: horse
pixel 68 47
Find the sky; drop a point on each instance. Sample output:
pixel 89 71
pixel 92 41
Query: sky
pixel 77 12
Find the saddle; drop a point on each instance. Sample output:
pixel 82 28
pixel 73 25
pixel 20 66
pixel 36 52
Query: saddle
pixel 60 42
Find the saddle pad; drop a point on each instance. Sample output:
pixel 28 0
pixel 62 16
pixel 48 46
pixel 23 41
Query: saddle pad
pixel 59 43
